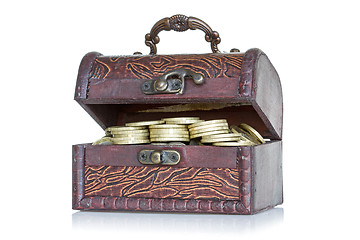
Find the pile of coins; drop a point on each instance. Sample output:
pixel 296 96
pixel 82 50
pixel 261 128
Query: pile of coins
pixel 124 135
pixel 181 130
pixel 217 133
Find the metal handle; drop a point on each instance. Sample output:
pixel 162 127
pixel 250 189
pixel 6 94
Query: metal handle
pixel 181 23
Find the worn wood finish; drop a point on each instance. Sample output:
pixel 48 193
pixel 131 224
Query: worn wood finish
pixel 149 67
pixel 260 81
pixel 266 169
pixel 85 182
pixel 247 78
pixel 162 205
pixel 121 77
pixel 259 174
pixel 191 156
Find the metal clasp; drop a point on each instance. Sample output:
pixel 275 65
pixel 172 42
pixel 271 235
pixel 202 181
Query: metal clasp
pixel 171 82
pixel 159 157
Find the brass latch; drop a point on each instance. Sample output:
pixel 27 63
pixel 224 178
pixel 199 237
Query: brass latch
pixel 159 157
pixel 171 82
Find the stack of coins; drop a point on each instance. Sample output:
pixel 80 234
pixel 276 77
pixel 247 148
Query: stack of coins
pixel 248 133
pixel 207 128
pixel 128 135
pixel 169 133
pixel 180 130
pixel 242 135
pixel 227 140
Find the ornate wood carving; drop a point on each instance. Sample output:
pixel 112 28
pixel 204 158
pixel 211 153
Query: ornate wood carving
pixel 162 182
pixel 149 67
pixel 94 187
pixel 146 67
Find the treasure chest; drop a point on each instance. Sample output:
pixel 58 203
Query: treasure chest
pixel 190 176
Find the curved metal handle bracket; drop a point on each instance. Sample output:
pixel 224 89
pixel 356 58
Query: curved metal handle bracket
pixel 181 23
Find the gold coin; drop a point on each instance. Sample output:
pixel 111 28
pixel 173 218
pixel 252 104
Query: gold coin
pixel 169 135
pixel 187 122
pixel 123 142
pixel 131 138
pixel 103 141
pixel 167 126
pixel 223 131
pixel 244 134
pixel 144 123
pixel 144 131
pixel 208 126
pixel 176 143
pixel 233 144
pixel 225 135
pixel 170 139
pixel 169 131
pixel 159 143
pixel 122 128
pixel 209 130
pixel 252 132
pixel 212 140
pixel 182 120
pixel 131 135
pixel 208 123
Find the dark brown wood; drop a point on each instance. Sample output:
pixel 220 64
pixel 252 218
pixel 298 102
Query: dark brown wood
pixel 86 65
pixel 260 81
pixel 258 175
pixel 162 205
pixel 266 169
pixel 85 198
pixel 191 155
pixel 78 173
pixel 118 78
pixel 224 88
pixel 219 65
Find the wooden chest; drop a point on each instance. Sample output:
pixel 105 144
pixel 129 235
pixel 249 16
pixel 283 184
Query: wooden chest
pixel 240 87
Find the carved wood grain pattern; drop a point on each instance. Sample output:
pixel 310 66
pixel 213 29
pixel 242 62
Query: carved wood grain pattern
pixel 162 182
pixel 241 206
pixel 149 67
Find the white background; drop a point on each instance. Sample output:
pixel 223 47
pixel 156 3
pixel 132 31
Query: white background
pixel 314 45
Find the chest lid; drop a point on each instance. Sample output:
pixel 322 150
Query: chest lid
pixel 242 87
